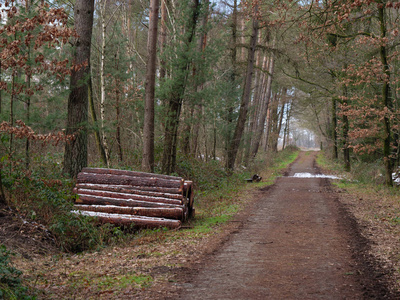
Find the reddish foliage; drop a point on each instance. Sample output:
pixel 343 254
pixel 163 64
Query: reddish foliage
pixel 23 131
pixel 47 29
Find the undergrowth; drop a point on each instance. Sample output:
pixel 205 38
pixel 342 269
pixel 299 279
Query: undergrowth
pixel 11 286
pixel 44 196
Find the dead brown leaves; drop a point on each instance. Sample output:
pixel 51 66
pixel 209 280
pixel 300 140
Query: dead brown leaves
pixel 23 131
pixel 378 214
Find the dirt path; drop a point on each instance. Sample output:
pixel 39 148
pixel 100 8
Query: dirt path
pixel 295 243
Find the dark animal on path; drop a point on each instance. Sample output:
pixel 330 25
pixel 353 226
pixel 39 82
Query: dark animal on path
pixel 255 178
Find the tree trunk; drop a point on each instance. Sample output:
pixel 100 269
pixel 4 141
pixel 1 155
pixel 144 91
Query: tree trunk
pixel 164 193
pixel 127 180
pixel 172 193
pixel 94 120
pixel 255 104
pixel 128 196
pixel 12 98
pixel 28 99
pixel 75 157
pixel 171 213
pixel 163 36
pixel 268 127
pixel 102 200
pixel 286 130
pixel 196 111
pixel 177 92
pixel 261 125
pixel 230 100
pixel 135 220
pixel 148 129
pixel 28 117
pixel 118 108
pixel 102 81
pixel 2 194
pixel 386 101
pixel 273 126
pixel 186 132
pixel 334 129
pixel 280 118
pixel 1 103
pixel 345 119
pixel 237 136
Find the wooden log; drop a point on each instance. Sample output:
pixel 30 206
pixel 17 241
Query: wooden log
pixel 162 192
pixel 188 192
pixel 96 200
pixel 169 213
pixel 128 196
pixel 129 173
pixel 139 221
pixel 128 180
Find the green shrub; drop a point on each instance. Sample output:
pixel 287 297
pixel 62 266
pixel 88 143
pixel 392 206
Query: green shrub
pixel 206 175
pixel 49 201
pixel 10 283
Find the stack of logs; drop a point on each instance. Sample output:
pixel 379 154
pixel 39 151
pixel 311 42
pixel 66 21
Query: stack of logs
pixel 128 197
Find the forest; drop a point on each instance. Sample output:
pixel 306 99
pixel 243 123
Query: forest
pixel 201 89
pixel 145 86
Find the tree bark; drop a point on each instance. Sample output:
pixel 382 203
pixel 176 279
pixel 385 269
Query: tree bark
pixel 98 200
pixel 127 220
pixel 237 136
pixel 127 180
pixel 2 194
pixel 273 126
pixel 155 212
pixel 170 193
pixel 12 99
pixel 118 107
pixel 1 102
pixel 130 173
pixel 108 194
pixel 75 156
pixel 346 149
pixel 177 92
pixel 386 101
pixel 261 124
pixel 148 129
pixel 196 111
pixel 28 117
pixel 286 130
pixel 102 81
pixel 163 36
pixel 334 129
pixel 94 120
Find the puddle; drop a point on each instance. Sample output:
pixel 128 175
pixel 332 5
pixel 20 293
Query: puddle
pixel 309 175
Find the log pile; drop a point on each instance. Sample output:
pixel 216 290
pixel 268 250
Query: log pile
pixel 128 197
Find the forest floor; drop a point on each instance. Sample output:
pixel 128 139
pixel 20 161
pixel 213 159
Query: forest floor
pixel 301 238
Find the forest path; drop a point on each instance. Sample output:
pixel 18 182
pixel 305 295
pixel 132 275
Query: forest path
pixel 294 244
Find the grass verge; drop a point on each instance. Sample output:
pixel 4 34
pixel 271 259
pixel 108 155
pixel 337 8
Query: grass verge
pixel 376 209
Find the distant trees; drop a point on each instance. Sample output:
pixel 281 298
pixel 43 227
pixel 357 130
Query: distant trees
pixel 362 41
